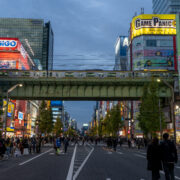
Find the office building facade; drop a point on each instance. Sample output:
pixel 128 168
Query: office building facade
pixel 35 36
pixel 166 6
pixel 153 42
pixel 121 53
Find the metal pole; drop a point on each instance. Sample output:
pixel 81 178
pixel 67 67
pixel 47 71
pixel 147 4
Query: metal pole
pixel 6 110
pixel 172 109
pixel 160 119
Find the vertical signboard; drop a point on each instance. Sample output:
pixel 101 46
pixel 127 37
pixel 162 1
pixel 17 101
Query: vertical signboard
pixel 178 43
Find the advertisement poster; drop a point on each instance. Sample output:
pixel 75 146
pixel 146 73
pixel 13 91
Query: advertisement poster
pixel 153 24
pixel 20 115
pixel 7 64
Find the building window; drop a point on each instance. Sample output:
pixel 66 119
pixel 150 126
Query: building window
pixel 151 43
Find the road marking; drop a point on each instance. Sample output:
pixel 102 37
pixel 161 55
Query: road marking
pixel 176 177
pixel 82 165
pixel 70 172
pixel 178 167
pixel 109 152
pixel 142 153
pixel 51 153
pixel 119 152
pixel 108 178
pixel 162 172
pixel 35 157
pixel 139 155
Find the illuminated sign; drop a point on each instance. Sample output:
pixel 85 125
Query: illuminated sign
pixel 153 24
pixel 8 43
pixel 20 115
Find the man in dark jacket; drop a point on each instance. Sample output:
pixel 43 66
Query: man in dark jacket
pixel 169 156
pixel 154 158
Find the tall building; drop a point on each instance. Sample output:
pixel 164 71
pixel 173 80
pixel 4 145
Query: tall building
pixel 166 6
pixel 57 110
pixel 35 36
pixel 153 42
pixel 121 53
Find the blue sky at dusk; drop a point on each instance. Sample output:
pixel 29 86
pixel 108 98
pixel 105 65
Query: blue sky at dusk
pixel 85 32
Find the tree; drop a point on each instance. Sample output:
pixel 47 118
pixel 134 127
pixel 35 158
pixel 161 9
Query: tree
pixel 58 126
pixel 116 120
pixel 100 126
pixel 70 132
pixel 45 119
pixel 150 112
pixel 112 122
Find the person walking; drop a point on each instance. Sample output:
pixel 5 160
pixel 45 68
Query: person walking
pixel 169 156
pixel 114 143
pixel 58 145
pixel 66 143
pixel 154 158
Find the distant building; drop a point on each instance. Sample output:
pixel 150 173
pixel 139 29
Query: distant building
pixel 166 6
pixel 121 53
pixel 84 129
pixel 153 42
pixel 73 124
pixel 36 37
pixel 57 110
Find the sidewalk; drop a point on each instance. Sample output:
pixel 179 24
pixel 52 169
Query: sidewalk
pixel 24 156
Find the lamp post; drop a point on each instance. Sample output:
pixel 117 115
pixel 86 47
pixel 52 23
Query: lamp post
pixel 7 101
pixel 172 105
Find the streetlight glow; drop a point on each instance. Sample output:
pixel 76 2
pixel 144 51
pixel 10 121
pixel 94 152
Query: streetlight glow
pixel 158 80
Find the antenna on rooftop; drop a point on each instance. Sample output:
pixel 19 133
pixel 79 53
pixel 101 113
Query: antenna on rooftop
pixel 142 10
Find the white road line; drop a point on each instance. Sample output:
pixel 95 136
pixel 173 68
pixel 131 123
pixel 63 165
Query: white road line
pixel 82 165
pixel 119 152
pixel 139 155
pixel 70 172
pixel 35 157
pixel 176 177
pixel 108 178
pixel 109 152
pixel 178 167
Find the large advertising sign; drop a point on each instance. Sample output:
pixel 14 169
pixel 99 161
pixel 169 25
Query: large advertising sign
pixel 13 54
pixel 153 24
pixel 20 115
pixel 6 64
pixel 56 103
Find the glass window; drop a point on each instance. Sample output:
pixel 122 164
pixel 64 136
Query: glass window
pixel 151 43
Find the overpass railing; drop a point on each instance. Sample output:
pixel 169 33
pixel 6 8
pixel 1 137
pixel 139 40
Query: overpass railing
pixel 86 74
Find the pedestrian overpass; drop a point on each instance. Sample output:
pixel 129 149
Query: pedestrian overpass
pixel 80 85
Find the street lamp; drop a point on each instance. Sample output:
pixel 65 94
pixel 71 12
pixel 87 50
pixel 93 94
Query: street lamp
pixel 7 101
pixel 172 105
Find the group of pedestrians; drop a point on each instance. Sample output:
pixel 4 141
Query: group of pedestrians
pixel 162 156
pixel 14 146
pixel 58 141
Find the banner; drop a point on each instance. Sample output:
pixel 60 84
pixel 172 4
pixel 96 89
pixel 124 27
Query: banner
pixel 153 24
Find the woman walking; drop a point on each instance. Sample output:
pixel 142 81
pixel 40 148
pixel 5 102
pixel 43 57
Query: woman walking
pixel 154 158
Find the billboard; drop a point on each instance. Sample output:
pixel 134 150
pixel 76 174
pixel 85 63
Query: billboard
pixel 20 115
pixel 13 54
pixel 56 103
pixel 153 24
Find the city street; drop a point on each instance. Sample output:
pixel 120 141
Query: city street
pixel 89 162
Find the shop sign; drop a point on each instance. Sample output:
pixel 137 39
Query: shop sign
pixel 153 24
pixel 10 129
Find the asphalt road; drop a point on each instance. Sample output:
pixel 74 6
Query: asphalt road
pixel 88 162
